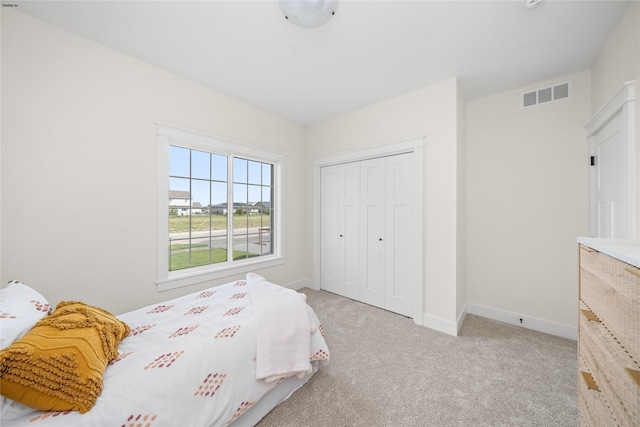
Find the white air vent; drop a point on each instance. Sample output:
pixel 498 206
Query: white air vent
pixel 547 94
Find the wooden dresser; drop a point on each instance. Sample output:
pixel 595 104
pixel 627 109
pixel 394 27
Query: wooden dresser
pixel 609 333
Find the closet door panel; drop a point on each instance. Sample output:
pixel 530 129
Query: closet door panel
pixel 330 226
pixel 349 230
pixel 398 220
pixel 372 224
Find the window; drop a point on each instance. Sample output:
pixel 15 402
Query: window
pixel 218 208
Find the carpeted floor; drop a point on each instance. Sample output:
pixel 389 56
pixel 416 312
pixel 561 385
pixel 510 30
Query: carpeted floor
pixel 387 371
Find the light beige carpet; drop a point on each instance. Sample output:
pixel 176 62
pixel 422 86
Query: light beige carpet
pixel 387 371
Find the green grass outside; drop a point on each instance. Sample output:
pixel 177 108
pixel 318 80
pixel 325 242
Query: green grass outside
pixel 180 260
pixel 179 246
pixel 179 224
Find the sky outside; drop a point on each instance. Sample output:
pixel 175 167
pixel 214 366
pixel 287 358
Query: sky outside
pixel 204 175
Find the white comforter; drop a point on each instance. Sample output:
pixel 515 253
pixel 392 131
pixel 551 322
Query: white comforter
pixel 192 361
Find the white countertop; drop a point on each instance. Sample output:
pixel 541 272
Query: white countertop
pixel 625 250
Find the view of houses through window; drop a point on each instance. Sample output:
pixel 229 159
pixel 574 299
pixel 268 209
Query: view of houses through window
pixel 220 208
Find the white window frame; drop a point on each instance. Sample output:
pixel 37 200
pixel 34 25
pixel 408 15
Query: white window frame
pixel 169 135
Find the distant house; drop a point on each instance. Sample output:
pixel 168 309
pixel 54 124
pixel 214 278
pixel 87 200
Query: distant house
pixel 181 202
pixel 219 209
pixel 258 207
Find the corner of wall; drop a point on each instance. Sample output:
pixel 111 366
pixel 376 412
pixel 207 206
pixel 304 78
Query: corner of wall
pixel 441 325
pixel 461 195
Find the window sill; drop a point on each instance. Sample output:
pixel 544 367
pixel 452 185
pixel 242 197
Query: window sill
pixel 180 279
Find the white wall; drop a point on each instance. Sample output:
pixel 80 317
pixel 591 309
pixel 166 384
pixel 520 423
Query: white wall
pixel 619 62
pixel 433 112
pixel 78 125
pixel 527 204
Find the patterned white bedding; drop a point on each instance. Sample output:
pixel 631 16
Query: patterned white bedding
pixel 187 362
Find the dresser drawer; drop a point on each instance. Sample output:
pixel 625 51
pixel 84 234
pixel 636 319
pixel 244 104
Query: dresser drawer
pixel 607 363
pixel 592 408
pixel 611 289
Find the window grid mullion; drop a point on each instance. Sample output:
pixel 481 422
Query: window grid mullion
pixel 190 212
pixel 230 209
pixel 210 236
pixel 246 213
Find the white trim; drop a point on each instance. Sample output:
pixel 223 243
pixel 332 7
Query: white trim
pixel 299 284
pixel 528 322
pixel 181 278
pixel 192 139
pixel 163 207
pixel 413 145
pixel 418 227
pixel 405 145
pixel 625 95
pixel 169 135
pixel 461 317
pixel 441 325
pixel 621 103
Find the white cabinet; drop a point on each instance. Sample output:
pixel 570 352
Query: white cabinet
pixel 366 231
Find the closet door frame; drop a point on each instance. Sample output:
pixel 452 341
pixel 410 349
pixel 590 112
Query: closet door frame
pixel 414 145
pixel 623 103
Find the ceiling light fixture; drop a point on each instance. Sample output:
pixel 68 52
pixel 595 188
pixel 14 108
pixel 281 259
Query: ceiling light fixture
pixel 308 13
pixel 532 4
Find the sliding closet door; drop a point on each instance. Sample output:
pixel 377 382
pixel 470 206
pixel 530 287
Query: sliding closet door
pixel 399 234
pixel 372 231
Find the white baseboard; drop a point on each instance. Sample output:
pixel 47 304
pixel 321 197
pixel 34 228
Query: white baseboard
pixel 299 284
pixel 460 321
pixel 452 328
pixel 540 325
pixel 445 326
pixel 440 325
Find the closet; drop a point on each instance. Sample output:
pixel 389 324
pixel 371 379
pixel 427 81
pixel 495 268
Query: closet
pixel 366 231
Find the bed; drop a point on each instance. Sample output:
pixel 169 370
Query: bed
pixel 225 355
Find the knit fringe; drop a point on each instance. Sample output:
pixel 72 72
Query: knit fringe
pixel 111 333
pixel 56 376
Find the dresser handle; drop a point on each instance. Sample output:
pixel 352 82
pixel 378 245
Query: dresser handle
pixel 634 271
pixel 635 375
pixel 590 315
pixel 591 383
pixel 587 248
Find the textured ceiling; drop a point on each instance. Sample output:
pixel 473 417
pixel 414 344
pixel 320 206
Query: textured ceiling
pixel 370 51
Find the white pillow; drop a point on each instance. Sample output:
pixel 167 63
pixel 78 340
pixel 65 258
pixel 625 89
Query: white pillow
pixel 12 409
pixel 20 308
